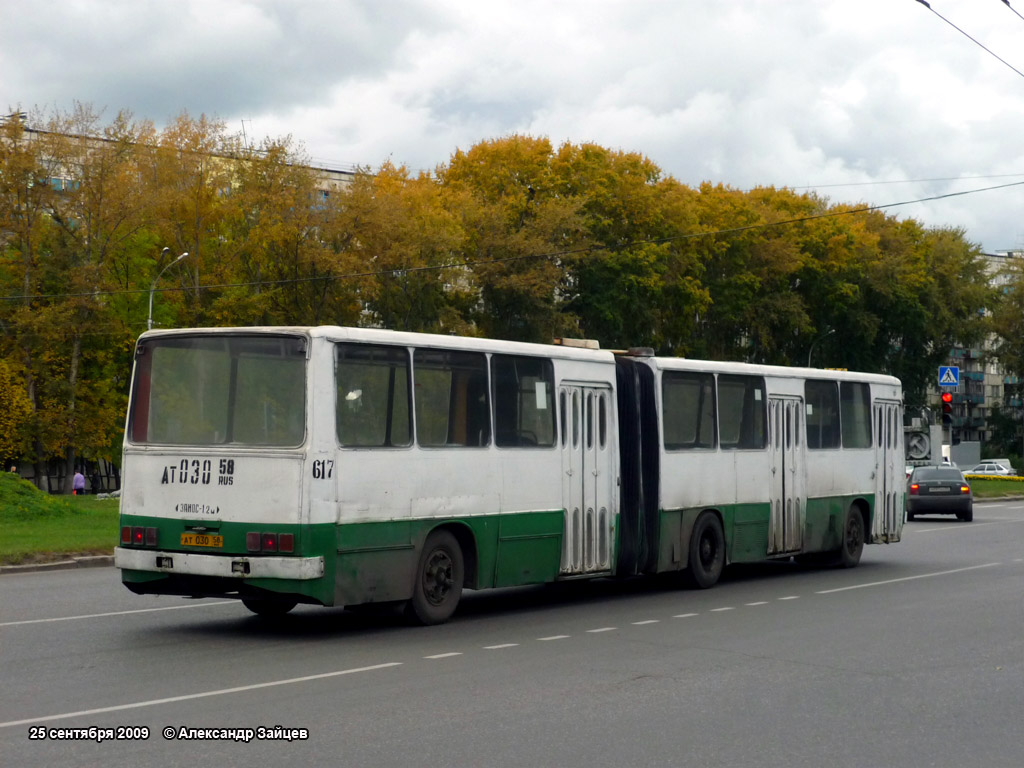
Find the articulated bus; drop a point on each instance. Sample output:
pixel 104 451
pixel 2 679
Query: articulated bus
pixel 349 466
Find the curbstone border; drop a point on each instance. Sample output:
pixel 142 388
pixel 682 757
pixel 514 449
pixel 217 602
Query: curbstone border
pixel 85 561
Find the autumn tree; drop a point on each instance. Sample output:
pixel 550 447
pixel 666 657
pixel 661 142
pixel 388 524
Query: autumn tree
pixel 520 231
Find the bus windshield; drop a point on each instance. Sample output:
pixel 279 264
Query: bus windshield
pixel 219 390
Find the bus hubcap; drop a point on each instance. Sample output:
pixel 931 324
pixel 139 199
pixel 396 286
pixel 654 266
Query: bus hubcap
pixel 437 577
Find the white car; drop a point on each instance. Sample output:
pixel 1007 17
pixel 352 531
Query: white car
pixel 989 469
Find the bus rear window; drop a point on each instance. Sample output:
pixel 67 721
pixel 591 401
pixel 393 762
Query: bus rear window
pixel 219 390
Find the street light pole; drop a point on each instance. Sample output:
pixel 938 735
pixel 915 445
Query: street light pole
pixel 815 343
pixel 149 321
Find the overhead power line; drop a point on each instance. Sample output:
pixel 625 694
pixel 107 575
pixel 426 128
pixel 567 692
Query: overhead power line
pixel 908 181
pixel 954 26
pixel 526 257
pixel 1007 4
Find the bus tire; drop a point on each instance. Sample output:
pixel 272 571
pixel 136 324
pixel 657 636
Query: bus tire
pixel 268 608
pixel 438 580
pixel 852 545
pixel 707 551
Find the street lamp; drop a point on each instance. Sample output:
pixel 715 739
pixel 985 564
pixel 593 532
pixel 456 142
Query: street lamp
pixel 815 343
pixel 149 322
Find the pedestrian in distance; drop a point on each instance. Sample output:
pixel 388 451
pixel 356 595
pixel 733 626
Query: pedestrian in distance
pixel 78 485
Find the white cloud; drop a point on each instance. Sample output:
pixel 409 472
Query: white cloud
pixel 802 92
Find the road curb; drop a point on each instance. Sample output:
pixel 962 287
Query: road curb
pixel 85 561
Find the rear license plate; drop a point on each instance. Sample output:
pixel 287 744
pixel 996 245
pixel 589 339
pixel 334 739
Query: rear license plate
pixel 201 540
pixel 940 490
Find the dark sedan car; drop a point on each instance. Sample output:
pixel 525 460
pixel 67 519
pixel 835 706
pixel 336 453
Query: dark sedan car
pixel 939 491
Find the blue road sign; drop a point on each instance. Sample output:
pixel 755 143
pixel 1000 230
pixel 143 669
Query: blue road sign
pixel 949 376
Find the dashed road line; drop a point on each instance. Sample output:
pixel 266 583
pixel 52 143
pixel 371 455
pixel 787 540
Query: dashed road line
pixel 647 621
pixel 499 646
pixel 789 597
pixel 602 629
pixel 443 655
pixel 554 637
pixel 685 615
pixel 759 602
pixel 726 608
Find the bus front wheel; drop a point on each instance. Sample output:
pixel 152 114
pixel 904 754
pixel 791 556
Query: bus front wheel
pixel 853 539
pixel 438 585
pixel 707 551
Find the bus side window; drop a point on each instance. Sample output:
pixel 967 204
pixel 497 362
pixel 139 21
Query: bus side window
pixel 452 408
pixel 689 410
pixel 372 406
pixel 855 414
pixel 822 414
pixel 741 411
pixel 524 406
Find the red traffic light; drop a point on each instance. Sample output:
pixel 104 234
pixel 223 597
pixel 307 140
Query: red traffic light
pixel 947 397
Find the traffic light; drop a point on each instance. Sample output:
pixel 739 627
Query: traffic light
pixel 947 407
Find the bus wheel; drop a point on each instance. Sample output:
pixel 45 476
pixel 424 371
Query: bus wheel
pixel 438 585
pixel 268 608
pixel 707 551
pixel 853 539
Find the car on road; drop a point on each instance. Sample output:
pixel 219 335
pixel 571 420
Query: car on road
pixel 939 491
pixel 990 469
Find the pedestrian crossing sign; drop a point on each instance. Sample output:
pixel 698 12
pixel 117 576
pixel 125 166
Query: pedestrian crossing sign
pixel 949 376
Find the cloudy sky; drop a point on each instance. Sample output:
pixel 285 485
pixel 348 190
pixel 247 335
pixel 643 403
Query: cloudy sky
pixel 876 101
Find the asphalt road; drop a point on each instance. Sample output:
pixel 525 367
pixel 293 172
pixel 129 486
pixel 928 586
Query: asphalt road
pixel 915 658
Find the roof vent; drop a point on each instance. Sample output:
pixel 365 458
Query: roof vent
pixel 579 343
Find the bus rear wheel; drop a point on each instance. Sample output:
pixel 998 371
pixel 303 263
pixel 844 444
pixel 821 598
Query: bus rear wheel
pixel 707 551
pixel 268 608
pixel 853 539
pixel 438 582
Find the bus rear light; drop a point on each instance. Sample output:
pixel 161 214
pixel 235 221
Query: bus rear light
pixel 126 534
pixel 286 542
pixel 151 537
pixel 252 541
pixel 138 536
pixel 270 542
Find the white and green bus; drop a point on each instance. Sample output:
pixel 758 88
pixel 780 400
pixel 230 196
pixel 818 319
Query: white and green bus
pixel 348 466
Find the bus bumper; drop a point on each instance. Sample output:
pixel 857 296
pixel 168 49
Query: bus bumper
pixel 229 566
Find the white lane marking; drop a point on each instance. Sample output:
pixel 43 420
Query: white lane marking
pixel 907 578
pixel 119 613
pixel 759 602
pixel 684 615
pixel 1018 559
pixel 503 645
pixel 969 526
pixel 203 695
pixel 443 655
pixel 602 629
pixel 789 597
pixel 648 621
pixel 727 608
pixel 554 637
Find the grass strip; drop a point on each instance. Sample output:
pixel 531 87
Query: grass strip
pixel 38 527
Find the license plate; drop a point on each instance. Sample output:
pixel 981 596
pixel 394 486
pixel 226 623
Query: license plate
pixel 940 490
pixel 201 540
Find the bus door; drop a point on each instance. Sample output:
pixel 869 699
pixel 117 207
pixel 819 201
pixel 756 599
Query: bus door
pixel 587 477
pixel 786 517
pixel 890 476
